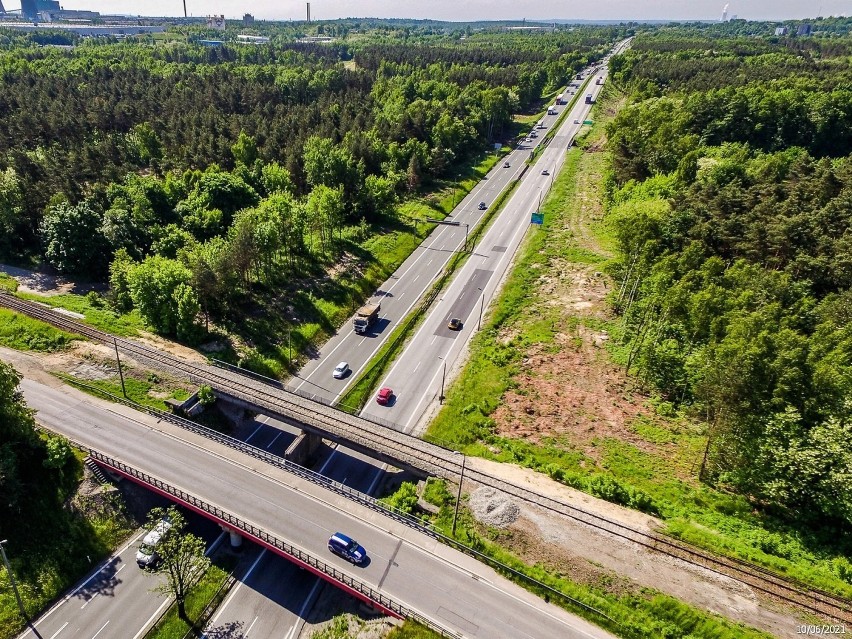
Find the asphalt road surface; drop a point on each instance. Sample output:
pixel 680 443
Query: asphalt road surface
pixel 116 600
pixel 273 596
pixel 410 281
pixel 412 568
pixel 418 374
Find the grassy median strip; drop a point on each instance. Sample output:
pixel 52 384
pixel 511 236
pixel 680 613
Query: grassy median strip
pixel 656 475
pixel 203 599
pixel 359 392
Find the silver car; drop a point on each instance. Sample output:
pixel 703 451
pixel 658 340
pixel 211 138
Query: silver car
pixel 341 370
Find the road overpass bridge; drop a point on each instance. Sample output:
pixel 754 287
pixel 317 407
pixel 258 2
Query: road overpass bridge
pixel 365 436
pixel 410 573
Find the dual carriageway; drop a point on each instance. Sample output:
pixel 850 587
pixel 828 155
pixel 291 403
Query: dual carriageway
pixel 399 552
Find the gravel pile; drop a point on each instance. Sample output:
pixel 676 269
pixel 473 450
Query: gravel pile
pixel 493 508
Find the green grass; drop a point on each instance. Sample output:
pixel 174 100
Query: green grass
pixel 662 482
pixel 206 593
pixel 96 314
pixel 138 390
pixel 57 545
pixel 412 630
pixel 8 283
pixel 638 615
pixel 372 372
pixel 27 334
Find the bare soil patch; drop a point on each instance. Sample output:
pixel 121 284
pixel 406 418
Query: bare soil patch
pixel 44 282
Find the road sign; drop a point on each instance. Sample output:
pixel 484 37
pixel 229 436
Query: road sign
pixel 537 218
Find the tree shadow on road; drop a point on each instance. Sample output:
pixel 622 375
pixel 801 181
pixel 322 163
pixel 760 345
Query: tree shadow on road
pixel 103 583
pixel 230 630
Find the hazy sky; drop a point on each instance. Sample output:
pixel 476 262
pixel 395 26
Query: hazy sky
pixel 461 10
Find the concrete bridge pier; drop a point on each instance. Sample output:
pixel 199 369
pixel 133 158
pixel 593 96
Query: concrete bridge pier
pixel 302 448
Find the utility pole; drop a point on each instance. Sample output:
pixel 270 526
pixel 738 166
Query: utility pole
pixel 12 579
pixel 458 497
pixel 481 308
pixel 443 377
pixel 118 362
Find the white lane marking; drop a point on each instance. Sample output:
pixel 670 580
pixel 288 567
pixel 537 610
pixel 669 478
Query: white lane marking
pixel 280 432
pixel 250 627
pixel 248 439
pixel 433 340
pixel 90 600
pixel 399 278
pixel 101 630
pixel 56 634
pixel 236 588
pixel 156 614
pixel 429 262
pixel 379 473
pixel 304 607
pixel 85 583
pixel 416 367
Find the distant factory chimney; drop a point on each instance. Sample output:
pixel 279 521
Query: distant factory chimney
pixel 309 12
pixel 724 13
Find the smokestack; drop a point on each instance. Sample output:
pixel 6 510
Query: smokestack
pixel 309 12
pixel 184 8
pixel 724 13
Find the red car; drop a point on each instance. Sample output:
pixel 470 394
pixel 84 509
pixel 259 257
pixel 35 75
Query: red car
pixel 384 396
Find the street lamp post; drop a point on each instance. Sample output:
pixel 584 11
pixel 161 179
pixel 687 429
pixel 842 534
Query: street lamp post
pixel 458 497
pixel 443 377
pixel 481 308
pixel 12 579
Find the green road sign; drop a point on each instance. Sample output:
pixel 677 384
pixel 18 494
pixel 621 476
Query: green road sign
pixel 537 218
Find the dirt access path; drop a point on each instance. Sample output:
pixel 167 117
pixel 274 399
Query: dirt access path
pixel 575 394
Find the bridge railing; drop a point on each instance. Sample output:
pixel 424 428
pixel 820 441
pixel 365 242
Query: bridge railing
pixel 327 571
pixel 272 459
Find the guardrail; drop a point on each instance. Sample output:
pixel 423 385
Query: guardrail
pixel 272 459
pixel 293 553
pixel 350 493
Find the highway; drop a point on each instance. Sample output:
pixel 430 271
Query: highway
pixel 444 585
pixel 417 375
pixel 116 600
pixel 405 287
pixel 273 596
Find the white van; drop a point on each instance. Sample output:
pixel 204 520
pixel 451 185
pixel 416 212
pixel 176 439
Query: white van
pixel 147 556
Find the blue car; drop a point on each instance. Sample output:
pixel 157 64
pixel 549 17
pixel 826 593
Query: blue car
pixel 347 548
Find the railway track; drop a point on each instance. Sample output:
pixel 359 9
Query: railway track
pixel 441 462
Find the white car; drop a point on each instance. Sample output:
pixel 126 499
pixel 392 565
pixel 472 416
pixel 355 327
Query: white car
pixel 147 556
pixel 341 370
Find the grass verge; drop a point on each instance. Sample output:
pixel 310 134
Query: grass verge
pixel 150 392
pixel 95 311
pixel 355 398
pixel 654 468
pixel 27 334
pixel 635 615
pixel 204 596
pixel 412 630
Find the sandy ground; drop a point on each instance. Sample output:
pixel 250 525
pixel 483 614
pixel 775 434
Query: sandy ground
pixel 574 392
pixel 46 283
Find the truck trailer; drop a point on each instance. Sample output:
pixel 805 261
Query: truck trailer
pixel 589 99
pixel 365 317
